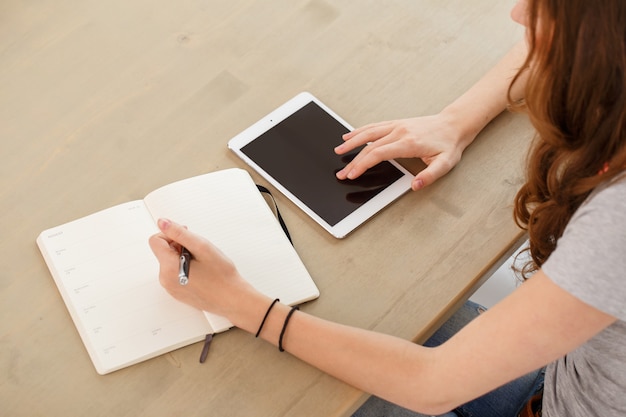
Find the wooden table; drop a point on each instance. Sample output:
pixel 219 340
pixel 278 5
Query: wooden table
pixel 101 102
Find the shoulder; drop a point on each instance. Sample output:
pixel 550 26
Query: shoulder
pixel 610 195
pixel 589 258
pixel 601 215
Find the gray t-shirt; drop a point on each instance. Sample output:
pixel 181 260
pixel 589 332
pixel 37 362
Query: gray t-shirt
pixel 590 263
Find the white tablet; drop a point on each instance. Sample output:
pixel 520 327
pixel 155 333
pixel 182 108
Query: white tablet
pixel 293 149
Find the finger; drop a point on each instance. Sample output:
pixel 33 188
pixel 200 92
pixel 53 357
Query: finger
pixel 359 130
pixel 437 169
pixel 166 254
pixel 385 149
pixel 181 235
pixel 362 136
pixel 355 167
pixel 161 245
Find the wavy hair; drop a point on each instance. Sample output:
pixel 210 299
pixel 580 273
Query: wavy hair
pixel 576 100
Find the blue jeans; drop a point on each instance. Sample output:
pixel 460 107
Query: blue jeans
pixel 506 401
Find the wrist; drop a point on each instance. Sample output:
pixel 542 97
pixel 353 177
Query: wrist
pixel 250 311
pixel 463 126
pixel 264 317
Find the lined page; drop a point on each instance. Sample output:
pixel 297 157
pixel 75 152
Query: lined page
pixel 108 278
pixel 226 208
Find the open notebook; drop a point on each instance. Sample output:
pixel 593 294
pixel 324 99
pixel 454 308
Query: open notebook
pixel 108 276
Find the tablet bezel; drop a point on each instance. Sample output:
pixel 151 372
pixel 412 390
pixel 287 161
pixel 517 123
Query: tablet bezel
pixel 354 219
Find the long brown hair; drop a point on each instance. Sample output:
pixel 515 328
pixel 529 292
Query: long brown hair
pixel 576 100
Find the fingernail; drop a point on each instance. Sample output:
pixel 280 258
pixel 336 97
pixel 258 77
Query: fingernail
pixel 164 224
pixel 418 185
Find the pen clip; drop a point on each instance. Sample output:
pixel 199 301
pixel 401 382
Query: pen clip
pixel 183 279
pixel 183 269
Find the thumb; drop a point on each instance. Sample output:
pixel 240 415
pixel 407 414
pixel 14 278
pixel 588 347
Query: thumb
pixel 437 169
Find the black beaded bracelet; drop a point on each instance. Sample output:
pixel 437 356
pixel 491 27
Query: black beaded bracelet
pixel 267 313
pixel 282 332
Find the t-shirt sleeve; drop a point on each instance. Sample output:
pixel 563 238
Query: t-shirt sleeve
pixel 590 258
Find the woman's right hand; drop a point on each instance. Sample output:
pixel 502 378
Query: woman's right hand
pixel 433 139
pixel 214 285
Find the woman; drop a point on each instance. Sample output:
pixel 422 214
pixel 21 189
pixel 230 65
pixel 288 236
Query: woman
pixel 570 316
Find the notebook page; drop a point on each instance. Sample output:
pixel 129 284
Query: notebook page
pixel 108 278
pixel 226 208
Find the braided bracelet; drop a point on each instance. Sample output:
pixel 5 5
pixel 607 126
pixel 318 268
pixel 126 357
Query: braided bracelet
pixel 282 332
pixel 267 313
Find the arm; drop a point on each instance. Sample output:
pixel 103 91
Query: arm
pixel 438 140
pixel 527 330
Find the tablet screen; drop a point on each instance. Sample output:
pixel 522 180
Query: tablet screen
pixel 298 152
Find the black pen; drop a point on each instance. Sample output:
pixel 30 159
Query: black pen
pixel 183 269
